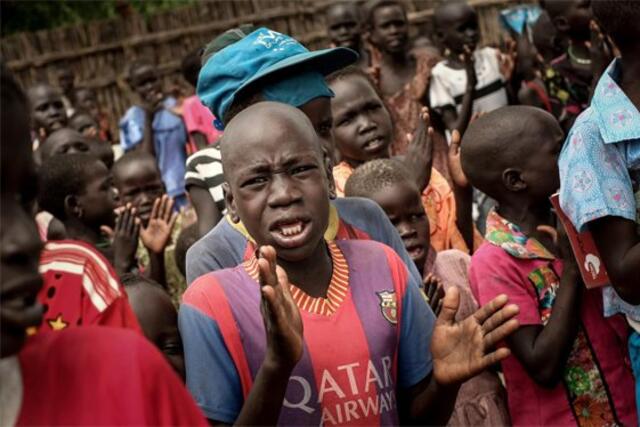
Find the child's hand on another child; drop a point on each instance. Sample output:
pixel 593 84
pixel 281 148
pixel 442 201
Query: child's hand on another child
pixel 434 292
pixel 281 316
pixel 157 234
pixel 419 156
pixel 463 349
pixel 125 239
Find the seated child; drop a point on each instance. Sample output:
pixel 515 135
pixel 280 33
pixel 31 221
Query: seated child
pixel 153 128
pixel 227 56
pixel 469 80
pixel 158 317
pixel 87 101
pixel 139 184
pixel 569 365
pixel 197 118
pixel 366 329
pixel 110 376
pixel 481 400
pixel 363 131
pixel 47 111
pixel 600 169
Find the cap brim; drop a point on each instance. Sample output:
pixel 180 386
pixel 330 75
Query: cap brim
pixel 324 61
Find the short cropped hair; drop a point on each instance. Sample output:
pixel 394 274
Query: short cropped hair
pixel 61 176
pixel 130 280
pixel 375 175
pixel 352 71
pixel 191 65
pixel 131 157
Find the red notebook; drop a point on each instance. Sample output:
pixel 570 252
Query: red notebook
pixel 592 269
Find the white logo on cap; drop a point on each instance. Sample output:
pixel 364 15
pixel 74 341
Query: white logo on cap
pixel 273 40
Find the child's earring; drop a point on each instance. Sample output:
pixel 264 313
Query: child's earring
pixel 80 213
pixel 234 218
pixel 447 52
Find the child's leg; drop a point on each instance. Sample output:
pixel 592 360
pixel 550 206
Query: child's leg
pixel 634 355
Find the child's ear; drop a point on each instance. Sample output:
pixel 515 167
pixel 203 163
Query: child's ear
pixel 230 202
pixel 561 23
pixel 328 167
pixel 512 179
pixel 72 207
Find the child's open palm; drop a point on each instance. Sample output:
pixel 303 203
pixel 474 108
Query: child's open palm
pixel 455 166
pixel 281 316
pixel 156 235
pixel 419 156
pixel 463 349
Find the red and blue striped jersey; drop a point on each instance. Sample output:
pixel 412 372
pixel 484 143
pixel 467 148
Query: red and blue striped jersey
pixel 365 340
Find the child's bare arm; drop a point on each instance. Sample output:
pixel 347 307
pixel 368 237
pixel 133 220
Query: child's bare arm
pixel 283 325
pixel 461 350
pixel 543 350
pixel 619 245
pixel 206 210
pixel 462 191
pixel 451 118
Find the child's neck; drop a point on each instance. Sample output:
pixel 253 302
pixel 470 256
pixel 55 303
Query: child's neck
pixel 527 216
pixel 629 76
pixel 76 230
pixel 396 61
pixel 453 60
pixel 312 275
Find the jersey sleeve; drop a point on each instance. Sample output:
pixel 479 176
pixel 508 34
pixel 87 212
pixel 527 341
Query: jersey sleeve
pixel 594 180
pixel 212 377
pixel 192 176
pixel 493 273
pixel 439 95
pixel 416 327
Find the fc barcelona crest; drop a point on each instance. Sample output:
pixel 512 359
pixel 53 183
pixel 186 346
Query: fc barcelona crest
pixel 388 306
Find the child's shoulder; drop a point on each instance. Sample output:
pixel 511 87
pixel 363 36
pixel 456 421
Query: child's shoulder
pixel 369 255
pixel 218 281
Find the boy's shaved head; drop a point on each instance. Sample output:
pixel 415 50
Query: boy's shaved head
pixel 374 176
pixel 250 125
pixel 507 138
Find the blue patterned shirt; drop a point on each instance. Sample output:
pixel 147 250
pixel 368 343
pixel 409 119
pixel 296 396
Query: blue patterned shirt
pixel 600 166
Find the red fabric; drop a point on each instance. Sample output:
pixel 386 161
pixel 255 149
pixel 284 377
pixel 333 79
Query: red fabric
pixel 81 289
pixel 101 376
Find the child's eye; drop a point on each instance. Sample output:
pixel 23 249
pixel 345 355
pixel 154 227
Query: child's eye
pixel 417 217
pixel 258 180
pixel 301 169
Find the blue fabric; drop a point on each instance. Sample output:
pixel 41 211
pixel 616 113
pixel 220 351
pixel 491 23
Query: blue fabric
pixel 601 150
pixel 298 90
pixel 415 339
pixel 206 356
pixel 169 139
pixel 262 53
pixel 634 355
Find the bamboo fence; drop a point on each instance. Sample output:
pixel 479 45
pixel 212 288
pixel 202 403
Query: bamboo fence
pixel 98 52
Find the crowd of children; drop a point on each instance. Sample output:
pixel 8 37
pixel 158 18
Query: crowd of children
pixel 361 234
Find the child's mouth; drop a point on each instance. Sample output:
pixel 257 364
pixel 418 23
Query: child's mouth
pixel 415 251
pixel 374 145
pixel 291 233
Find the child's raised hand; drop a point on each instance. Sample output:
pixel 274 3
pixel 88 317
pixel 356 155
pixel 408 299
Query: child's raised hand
pixel 507 60
pixel 470 67
pixel 434 292
pixel 281 316
pixel 455 166
pixel 419 156
pixel 156 235
pixel 463 349
pixel 125 239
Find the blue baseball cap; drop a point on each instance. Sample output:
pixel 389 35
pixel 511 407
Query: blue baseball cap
pixel 266 57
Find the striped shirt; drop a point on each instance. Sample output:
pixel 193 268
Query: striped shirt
pixel 204 170
pixel 80 288
pixel 365 341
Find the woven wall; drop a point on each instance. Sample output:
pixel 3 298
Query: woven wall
pixel 98 51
